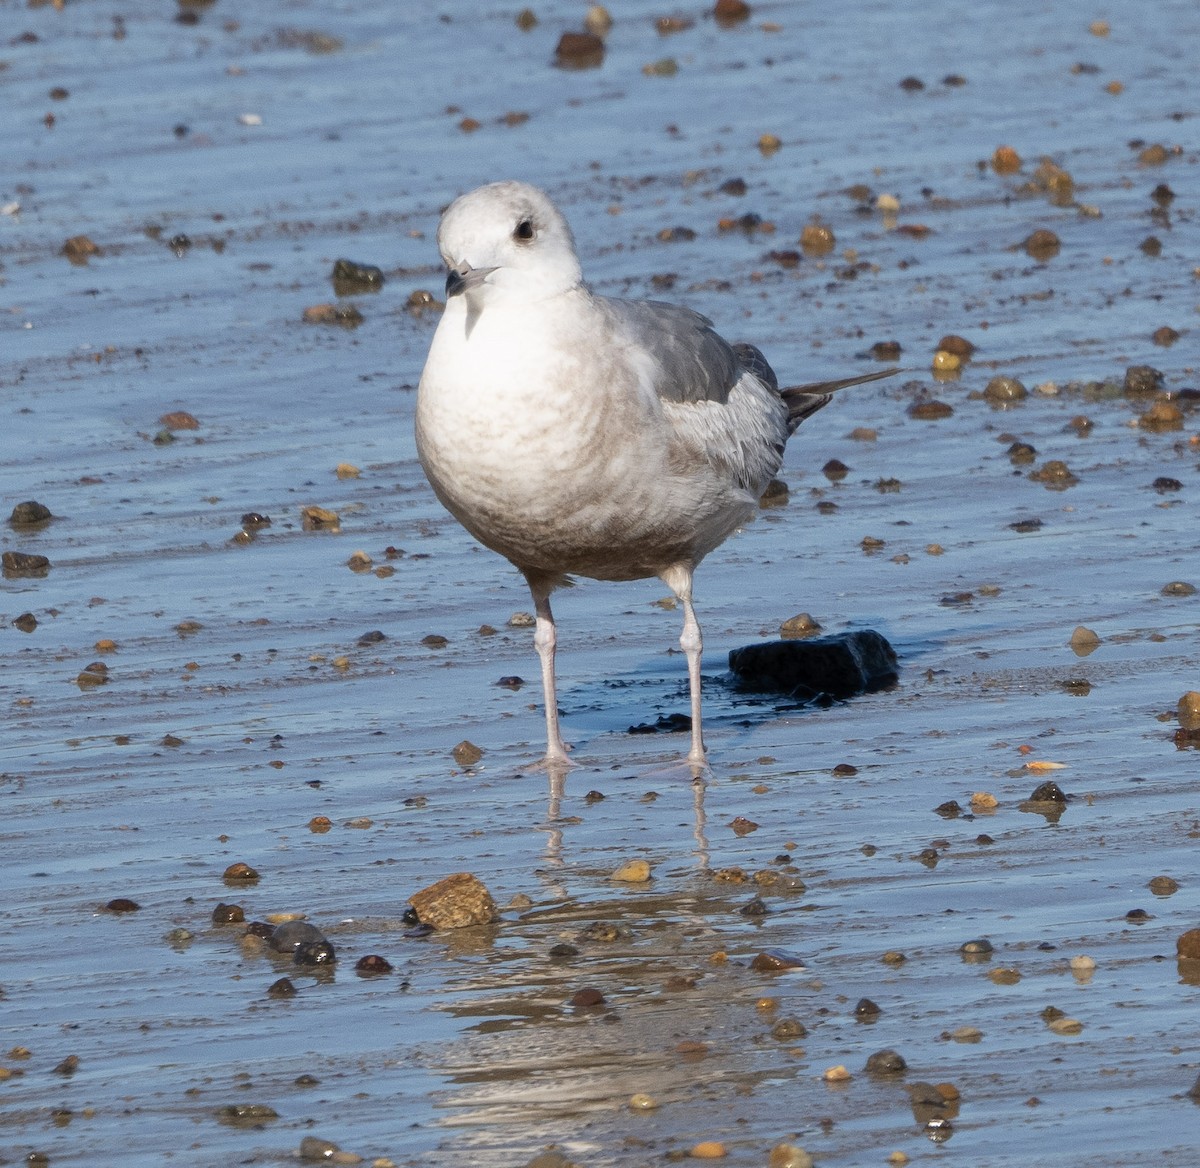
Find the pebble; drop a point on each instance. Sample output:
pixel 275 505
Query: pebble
pixel 775 961
pixel 579 50
pixel 1055 475
pixel 18 565
pixel 1084 641
pixel 466 753
pixel 228 914
pixel 79 249
pixel 1142 381
pixel 1187 947
pixel 455 902
pixel 29 513
pixel 886 1062
pixel 974 948
pixel 640 1101
pixel 632 872
pixel 122 904
pixel 291 934
pixel 372 965
pixel 930 410
pixel 314 518
pixel 708 1150
pixel 837 1074
pixel 817 240
pixel 1042 244
pixel 803 624
pixel 1065 1025
pixel 1004 391
pixel 1161 416
pixel 284 987
pixel 1082 963
pixel 1164 886
pixel 1004 975
pixel 342 315
pixel 984 801
pixel 1179 588
pixel 969 1034
pixel 240 873
pixel 1005 160
pixel 789 1156
pixel 788 1029
pixel 315 1148
pixel 944 362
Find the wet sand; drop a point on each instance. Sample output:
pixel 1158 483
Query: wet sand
pixel 240 704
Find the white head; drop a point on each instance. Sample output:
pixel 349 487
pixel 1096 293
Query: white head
pixel 507 236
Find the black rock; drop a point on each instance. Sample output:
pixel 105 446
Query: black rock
pixel 834 667
pixel 350 278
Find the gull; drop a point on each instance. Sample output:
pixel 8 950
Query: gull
pixel 580 435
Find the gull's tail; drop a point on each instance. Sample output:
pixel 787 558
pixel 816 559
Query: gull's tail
pixel 804 400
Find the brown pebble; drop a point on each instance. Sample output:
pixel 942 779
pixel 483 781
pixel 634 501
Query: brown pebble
pixel 817 240
pixel 1187 947
pixel 1162 415
pixel 1165 336
pixel 579 50
pixel 1179 588
pixel 1055 475
pixel 1187 710
pixel 1005 160
pixel 587 998
pixel 372 965
pixel 1042 244
pixel 239 873
pixel 122 904
pixel 29 513
pixel 283 988
pixel 708 1149
pixel 803 624
pixel 16 565
pixel 930 410
pixel 343 315
pixel 454 902
pixel 68 1066
pixel 743 826
pixel 179 420
pixel 844 770
pixel 1084 641
pixel 775 961
pixel 1005 391
pixel 228 914
pixel 1164 886
pixel 79 249
pixel 466 753
pixel 731 11
pixel 314 518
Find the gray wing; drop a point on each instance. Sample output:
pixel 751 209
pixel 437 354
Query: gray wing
pixel 693 363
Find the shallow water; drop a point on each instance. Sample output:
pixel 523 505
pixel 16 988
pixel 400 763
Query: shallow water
pixel 469 1053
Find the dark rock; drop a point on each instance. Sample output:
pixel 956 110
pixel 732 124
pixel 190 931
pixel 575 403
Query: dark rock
pixel 886 1062
pixel 291 934
pixel 314 953
pixel 1142 381
pixel 17 565
pixel 836 667
pixel 28 513
pixel 350 278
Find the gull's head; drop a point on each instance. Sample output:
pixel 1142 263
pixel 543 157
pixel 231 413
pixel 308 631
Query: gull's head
pixel 507 237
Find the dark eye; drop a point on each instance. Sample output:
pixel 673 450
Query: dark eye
pixel 523 232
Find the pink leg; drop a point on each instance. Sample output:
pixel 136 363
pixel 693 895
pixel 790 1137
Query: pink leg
pixel 679 579
pixel 545 639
